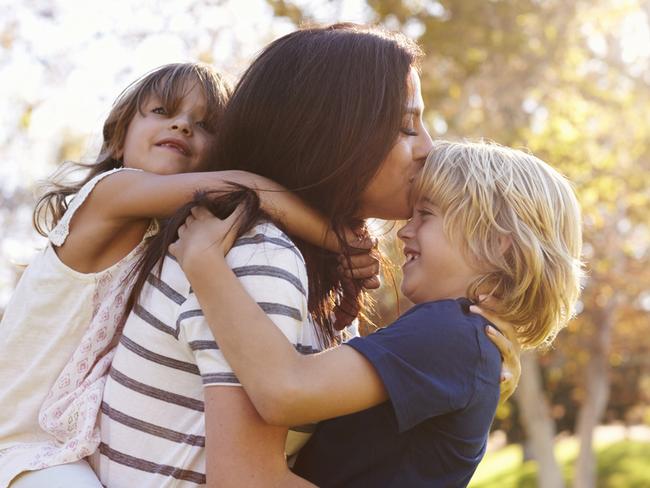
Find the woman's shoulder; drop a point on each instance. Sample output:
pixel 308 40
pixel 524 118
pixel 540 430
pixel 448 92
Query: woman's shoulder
pixel 267 239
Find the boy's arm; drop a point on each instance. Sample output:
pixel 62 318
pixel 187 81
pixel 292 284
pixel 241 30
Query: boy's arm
pixel 286 387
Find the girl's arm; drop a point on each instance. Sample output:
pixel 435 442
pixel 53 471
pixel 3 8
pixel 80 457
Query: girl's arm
pixel 287 388
pixel 135 195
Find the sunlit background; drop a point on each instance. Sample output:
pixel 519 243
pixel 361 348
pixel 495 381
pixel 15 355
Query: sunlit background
pixel 569 80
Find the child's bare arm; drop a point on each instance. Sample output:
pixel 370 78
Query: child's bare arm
pixel 135 195
pixel 286 387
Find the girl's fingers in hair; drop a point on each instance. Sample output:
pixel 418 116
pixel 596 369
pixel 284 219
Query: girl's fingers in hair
pixel 372 283
pixel 361 273
pixel 360 242
pixel 358 261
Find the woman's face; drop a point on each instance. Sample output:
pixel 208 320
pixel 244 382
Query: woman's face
pixel 387 196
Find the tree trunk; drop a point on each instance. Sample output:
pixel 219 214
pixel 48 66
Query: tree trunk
pixel 596 397
pixel 537 422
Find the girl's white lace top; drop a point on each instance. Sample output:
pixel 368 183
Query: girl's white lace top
pixel 56 343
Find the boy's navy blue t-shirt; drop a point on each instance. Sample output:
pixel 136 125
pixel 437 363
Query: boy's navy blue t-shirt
pixel 441 373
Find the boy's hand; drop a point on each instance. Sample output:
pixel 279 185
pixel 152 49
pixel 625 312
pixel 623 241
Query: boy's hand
pixel 504 336
pixel 201 233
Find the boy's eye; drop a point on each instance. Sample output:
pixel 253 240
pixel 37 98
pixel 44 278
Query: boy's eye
pixel 159 110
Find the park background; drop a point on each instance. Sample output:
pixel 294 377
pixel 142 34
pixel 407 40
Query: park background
pixel 567 79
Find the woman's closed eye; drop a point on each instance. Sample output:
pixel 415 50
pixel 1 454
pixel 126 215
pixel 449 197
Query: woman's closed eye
pixel 408 126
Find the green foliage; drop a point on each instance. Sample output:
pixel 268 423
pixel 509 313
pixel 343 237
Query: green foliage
pixel 620 465
pixel 553 76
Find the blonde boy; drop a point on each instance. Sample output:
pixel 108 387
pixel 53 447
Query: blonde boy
pixel 517 220
pixel 411 404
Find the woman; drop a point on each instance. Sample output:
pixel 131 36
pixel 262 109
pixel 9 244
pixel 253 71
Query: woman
pixel 334 114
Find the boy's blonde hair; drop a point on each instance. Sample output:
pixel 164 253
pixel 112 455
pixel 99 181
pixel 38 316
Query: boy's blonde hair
pixel 517 217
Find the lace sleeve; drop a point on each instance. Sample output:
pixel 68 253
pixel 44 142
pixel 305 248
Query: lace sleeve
pixel 59 234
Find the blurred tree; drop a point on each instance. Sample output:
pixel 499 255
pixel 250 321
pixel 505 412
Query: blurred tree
pixel 570 81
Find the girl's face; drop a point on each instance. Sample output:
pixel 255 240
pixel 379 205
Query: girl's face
pixel 387 194
pixel 164 143
pixel 435 268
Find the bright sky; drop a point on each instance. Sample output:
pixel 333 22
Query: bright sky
pixel 62 63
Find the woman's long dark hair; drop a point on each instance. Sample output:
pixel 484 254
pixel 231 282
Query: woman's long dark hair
pixel 318 111
pixel 220 203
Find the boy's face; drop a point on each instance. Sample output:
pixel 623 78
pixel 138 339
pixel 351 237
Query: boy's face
pixel 435 268
pixel 163 143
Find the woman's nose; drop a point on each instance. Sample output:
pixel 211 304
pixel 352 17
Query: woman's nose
pixel 424 146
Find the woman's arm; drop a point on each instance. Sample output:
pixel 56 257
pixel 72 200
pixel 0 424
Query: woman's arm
pixel 286 387
pixel 241 449
pixel 504 337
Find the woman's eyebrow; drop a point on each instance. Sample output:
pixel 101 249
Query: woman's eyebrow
pixel 417 111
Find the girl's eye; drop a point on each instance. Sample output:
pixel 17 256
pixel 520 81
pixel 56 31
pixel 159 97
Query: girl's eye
pixel 159 110
pixel 409 132
pixel 424 212
pixel 203 125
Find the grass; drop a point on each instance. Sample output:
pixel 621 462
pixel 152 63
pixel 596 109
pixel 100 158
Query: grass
pixel 623 464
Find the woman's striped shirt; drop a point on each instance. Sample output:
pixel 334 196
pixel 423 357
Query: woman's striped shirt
pixel 152 421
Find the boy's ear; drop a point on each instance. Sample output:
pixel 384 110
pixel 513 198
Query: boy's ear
pixel 505 241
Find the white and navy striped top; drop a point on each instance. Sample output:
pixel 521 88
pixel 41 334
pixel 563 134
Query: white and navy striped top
pixel 152 422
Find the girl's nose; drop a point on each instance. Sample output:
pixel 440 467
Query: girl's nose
pixel 182 124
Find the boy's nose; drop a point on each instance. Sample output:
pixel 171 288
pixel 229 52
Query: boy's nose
pixel 406 231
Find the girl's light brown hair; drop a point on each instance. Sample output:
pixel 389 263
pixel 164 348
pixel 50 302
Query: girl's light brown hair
pixel 517 220
pixel 170 83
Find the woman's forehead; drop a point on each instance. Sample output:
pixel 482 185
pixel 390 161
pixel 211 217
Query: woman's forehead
pixel 414 101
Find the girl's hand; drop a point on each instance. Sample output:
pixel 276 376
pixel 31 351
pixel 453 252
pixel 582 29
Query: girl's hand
pixel 204 233
pixel 503 336
pixel 364 264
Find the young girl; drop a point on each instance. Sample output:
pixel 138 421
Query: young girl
pixel 411 405
pixel 60 326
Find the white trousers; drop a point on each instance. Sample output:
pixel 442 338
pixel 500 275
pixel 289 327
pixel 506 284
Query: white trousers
pixel 73 475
